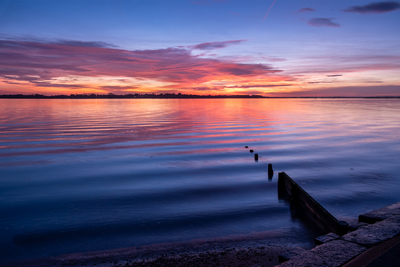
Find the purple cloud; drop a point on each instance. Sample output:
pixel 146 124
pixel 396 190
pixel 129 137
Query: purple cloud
pixel 388 90
pixel 305 9
pixel 216 45
pixel 40 64
pixel 58 85
pixel 322 22
pixel 376 7
pixel 84 44
pixel 334 75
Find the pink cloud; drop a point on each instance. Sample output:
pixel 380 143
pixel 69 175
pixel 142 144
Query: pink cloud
pixel 40 64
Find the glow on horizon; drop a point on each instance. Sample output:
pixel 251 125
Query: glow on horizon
pixel 308 48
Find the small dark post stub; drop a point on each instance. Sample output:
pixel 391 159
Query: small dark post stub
pixel 270 171
pixel 246 147
pixel 256 157
pixel 251 150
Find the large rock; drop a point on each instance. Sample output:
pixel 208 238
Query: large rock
pixel 374 234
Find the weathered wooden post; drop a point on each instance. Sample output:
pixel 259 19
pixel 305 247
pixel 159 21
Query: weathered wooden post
pixel 302 199
pixel 256 157
pixel 270 171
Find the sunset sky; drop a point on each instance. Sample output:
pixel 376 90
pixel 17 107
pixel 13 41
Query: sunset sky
pixel 266 47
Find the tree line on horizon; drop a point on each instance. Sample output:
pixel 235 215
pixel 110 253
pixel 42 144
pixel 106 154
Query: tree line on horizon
pixel 165 95
pixel 111 95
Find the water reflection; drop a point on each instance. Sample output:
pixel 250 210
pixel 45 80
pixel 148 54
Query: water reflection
pixel 102 174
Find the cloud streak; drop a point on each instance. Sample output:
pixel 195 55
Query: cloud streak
pixel 305 9
pixel 349 91
pixel 266 15
pixel 322 22
pixel 216 45
pixel 376 7
pixel 260 85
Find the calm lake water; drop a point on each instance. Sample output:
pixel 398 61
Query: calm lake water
pixel 86 175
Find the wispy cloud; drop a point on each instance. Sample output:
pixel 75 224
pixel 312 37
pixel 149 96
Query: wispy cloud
pixel 376 7
pixel 118 88
pixel 199 2
pixel 334 75
pixel 205 2
pixel 84 44
pixel 305 9
pixel 216 45
pixel 269 9
pixel 260 85
pixel 322 22
pixel 348 64
pixel 383 90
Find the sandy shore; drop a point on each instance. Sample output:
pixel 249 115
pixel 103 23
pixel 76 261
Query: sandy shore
pixel 253 251
pixel 250 256
pixel 240 256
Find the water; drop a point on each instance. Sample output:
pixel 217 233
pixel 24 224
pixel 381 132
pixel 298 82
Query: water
pixel 86 175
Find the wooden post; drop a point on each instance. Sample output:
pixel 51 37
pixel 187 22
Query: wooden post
pixel 319 214
pixel 270 171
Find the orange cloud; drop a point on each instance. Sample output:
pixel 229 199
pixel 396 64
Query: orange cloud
pixel 81 66
pixel 67 67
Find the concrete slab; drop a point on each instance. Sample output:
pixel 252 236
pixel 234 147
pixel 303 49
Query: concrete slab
pixel 331 254
pixel 325 238
pixel 374 234
pixel 380 214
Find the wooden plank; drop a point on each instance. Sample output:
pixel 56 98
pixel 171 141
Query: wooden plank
pixel 298 196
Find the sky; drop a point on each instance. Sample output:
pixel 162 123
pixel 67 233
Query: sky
pixel 229 47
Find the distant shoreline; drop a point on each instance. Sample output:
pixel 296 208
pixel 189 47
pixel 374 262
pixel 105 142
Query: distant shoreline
pixel 175 96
